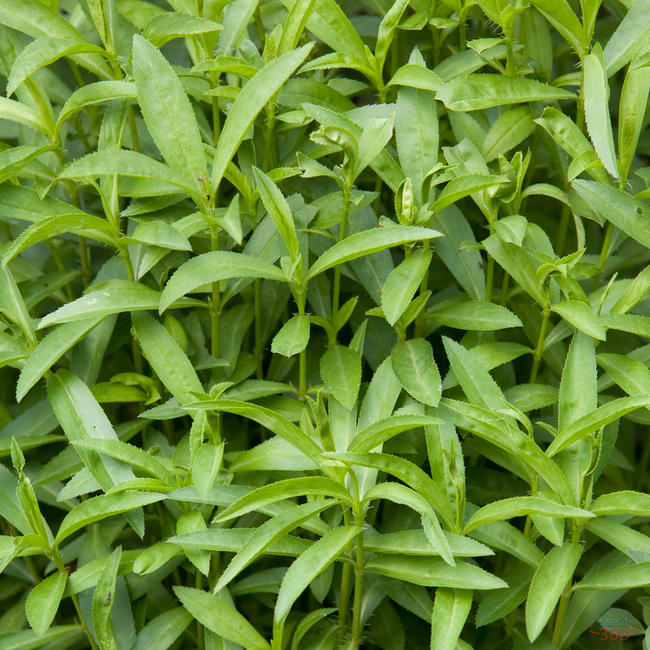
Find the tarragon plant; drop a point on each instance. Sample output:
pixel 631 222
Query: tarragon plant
pixel 324 324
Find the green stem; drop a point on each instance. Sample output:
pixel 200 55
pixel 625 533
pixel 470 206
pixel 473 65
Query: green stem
pixel 258 326
pixel 346 584
pixel 357 625
pixel 489 279
pixel 539 348
pixel 215 306
pixel 336 288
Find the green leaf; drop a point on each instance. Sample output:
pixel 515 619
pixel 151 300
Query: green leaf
pixel 379 432
pixel 630 374
pixel 213 267
pixel 130 455
pixel 43 601
pixel 416 369
pixel 475 315
pixel 237 16
pixel 86 225
pixel 405 496
pixel 416 133
pixel 13 306
pixel 450 611
pixel 113 298
pixel 269 532
pixel 433 572
pixel 292 337
pixel 402 283
pixel 562 17
pixel 549 581
pixel 250 101
pixel 624 577
pixel 280 490
pixel 475 381
pixel 509 130
pixel 311 564
pixel 95 93
pixel 28 639
pixel 161 632
pixel 593 421
pixel 628 37
pixel 596 91
pixel 617 206
pixel 129 163
pixel 82 418
pixel 416 75
pixel 278 208
pixel 480 91
pixel 267 418
pixel 98 508
pixel 218 616
pixel 581 316
pixel 367 242
pixel 328 22
pixel 519 507
pixel 37 20
pixel 103 600
pixel 42 52
pixel 340 369
pixel 165 27
pixel 20 113
pixel 463 186
pixel 205 467
pixel 162 234
pixel 12 160
pixel 625 502
pixel 167 111
pixel 173 368
pixel 634 98
pixel 374 138
pixel 405 471
pixel 49 350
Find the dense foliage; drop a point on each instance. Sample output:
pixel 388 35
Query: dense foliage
pixel 324 324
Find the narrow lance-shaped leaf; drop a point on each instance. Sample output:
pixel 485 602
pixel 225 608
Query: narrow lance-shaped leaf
pixel 278 208
pixel 340 369
pixel 549 581
pixel 101 507
pixel 43 601
pixel 167 111
pixel 250 101
pixel 628 37
pixel 49 350
pixel 402 283
pixel 267 533
pixel 450 611
pixel 42 52
pixel 369 241
pixel 309 565
pixel 220 617
pixel 173 367
pixel 416 369
pixel 212 267
pixel 479 91
pixel 596 91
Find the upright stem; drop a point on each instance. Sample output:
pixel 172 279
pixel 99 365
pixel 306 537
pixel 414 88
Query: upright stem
pixel 336 289
pixel 357 625
pixel 489 278
pixel 539 348
pixel 258 326
pixel 215 307
pixel 346 585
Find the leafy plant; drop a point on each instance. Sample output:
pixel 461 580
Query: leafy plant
pixel 323 324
